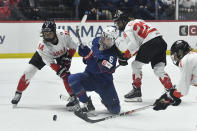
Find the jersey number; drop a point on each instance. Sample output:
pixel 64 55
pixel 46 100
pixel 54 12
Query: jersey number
pixel 41 47
pixel 144 29
pixel 111 59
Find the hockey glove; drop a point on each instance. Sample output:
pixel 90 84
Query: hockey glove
pixel 122 61
pixel 85 52
pixel 63 72
pixel 165 100
pixel 84 61
pixel 124 58
pixel 64 60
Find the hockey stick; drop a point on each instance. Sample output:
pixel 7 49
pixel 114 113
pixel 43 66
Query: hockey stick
pixel 87 119
pixel 83 20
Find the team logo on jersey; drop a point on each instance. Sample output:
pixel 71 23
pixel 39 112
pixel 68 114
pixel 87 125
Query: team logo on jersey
pixel 60 52
pixel 2 38
pixel 107 64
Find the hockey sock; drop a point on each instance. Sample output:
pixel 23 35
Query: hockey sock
pixel 166 81
pixel 137 81
pixel 23 83
pixel 177 94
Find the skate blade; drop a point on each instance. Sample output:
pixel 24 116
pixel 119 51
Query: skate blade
pixel 92 114
pixel 72 108
pixel 14 105
pixel 136 99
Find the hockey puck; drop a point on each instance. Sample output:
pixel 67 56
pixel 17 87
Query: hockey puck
pixel 54 117
pixel 60 96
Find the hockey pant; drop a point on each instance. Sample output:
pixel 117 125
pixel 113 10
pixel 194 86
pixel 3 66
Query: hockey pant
pixel 82 82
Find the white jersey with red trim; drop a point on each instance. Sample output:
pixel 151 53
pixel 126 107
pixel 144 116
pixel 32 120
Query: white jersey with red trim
pixel 48 51
pixel 136 33
pixel 188 68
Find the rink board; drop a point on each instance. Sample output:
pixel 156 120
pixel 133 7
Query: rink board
pixel 20 39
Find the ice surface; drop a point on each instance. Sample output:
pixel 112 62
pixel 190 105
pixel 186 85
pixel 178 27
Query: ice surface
pixel 41 101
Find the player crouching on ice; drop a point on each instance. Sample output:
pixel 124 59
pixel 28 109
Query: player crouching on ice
pixel 56 49
pixel 101 63
pixel 186 59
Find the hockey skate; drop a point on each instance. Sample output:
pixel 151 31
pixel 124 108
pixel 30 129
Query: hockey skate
pixel 73 103
pixel 134 95
pixel 88 106
pixel 16 98
pixel 87 109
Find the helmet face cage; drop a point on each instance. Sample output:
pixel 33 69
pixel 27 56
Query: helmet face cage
pixel 117 16
pixel 174 58
pixel 178 50
pixel 108 37
pixel 49 30
pixel 120 19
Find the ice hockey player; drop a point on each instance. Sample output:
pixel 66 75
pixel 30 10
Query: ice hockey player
pixel 147 43
pixel 56 49
pixel 101 62
pixel 185 58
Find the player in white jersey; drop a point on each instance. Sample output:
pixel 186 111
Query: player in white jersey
pixel 186 59
pixel 144 40
pixel 55 49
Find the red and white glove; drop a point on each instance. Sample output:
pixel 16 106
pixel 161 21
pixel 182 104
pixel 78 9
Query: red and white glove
pixel 125 57
pixel 62 72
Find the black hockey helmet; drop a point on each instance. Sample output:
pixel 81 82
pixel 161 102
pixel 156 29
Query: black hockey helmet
pixel 49 27
pixel 178 50
pixel 121 17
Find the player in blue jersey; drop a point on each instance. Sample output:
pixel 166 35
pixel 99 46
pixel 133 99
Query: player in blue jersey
pixel 101 63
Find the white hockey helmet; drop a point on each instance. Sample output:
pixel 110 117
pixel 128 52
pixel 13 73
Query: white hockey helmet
pixel 108 37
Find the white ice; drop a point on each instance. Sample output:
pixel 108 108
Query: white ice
pixel 41 101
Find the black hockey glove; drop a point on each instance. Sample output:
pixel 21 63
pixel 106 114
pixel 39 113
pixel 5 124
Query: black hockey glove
pixel 84 61
pixel 165 100
pixel 122 61
pixel 63 72
pixel 64 60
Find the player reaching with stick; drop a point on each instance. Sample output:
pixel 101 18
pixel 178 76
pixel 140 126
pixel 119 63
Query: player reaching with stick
pixel 56 49
pixel 186 59
pixel 101 63
pixel 147 43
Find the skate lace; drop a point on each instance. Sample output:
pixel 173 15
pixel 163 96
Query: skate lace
pixel 131 92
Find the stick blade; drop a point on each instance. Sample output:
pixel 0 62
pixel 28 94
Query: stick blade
pixel 84 117
pixel 84 19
